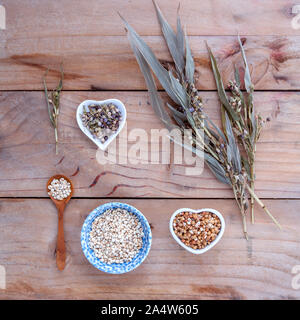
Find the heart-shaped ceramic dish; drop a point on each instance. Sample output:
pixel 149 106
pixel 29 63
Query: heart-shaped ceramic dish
pixel 198 251
pixel 85 130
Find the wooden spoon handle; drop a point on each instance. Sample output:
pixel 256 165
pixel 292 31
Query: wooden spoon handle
pixel 61 247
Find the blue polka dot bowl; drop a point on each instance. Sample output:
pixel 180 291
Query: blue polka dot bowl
pixel 115 268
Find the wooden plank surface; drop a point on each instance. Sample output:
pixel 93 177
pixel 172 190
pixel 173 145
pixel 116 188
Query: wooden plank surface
pixel 28 159
pixel 96 52
pixel 89 38
pixel 107 62
pixel 54 19
pixel 234 269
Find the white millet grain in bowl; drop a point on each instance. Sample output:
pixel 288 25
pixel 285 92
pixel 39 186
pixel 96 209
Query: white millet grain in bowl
pixel 59 189
pixel 116 236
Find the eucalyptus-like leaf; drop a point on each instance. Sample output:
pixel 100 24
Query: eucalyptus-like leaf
pixel 221 134
pixel 189 147
pixel 156 100
pixel 211 131
pixel 254 128
pixel 179 121
pixel 223 118
pixel 216 169
pixel 160 72
pixel 206 139
pixel 179 90
pixel 180 36
pixel 189 62
pixel 220 86
pixel 237 76
pixel 191 120
pixel 247 77
pixel 233 150
pixel 229 153
pixel 171 40
pixel 176 113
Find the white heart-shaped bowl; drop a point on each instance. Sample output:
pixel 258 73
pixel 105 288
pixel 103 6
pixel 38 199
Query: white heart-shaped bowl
pixel 198 251
pixel 86 131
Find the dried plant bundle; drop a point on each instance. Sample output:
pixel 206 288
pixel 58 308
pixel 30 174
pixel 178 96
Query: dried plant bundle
pixel 53 104
pixel 246 123
pixel 220 148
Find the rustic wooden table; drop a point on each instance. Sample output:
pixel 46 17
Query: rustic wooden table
pixel 90 39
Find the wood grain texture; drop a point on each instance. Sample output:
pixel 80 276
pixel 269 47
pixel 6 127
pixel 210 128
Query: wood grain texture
pixel 107 62
pixel 234 269
pixel 45 19
pixel 89 37
pixel 27 155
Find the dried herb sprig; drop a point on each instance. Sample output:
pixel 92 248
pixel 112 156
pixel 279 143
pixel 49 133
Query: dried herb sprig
pixel 53 104
pixel 221 152
pixel 247 124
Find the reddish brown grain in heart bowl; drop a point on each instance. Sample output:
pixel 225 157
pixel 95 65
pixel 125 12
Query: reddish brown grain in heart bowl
pixel 197 230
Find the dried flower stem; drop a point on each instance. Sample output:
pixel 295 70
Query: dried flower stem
pixel 252 187
pixel 242 210
pixel 56 137
pixel 53 104
pixel 246 124
pixel 263 206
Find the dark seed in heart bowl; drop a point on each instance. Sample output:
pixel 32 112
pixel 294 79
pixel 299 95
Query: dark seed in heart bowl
pixel 102 120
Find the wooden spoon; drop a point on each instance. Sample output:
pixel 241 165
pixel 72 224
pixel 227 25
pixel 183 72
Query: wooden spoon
pixel 60 205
